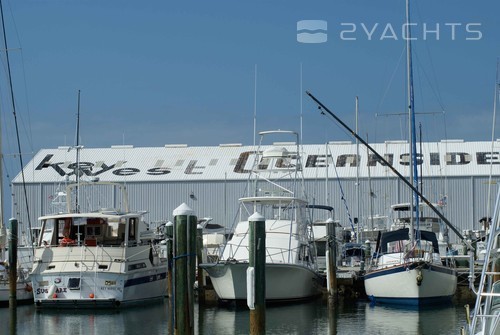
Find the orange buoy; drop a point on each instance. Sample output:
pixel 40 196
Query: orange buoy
pixel 91 295
pixel 28 288
pixel 54 295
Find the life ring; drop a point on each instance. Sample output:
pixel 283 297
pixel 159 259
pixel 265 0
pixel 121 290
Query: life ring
pixel 67 241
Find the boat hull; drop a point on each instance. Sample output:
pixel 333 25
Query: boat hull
pixel 88 277
pixel 24 293
pixel 230 282
pixel 416 283
pixel 105 290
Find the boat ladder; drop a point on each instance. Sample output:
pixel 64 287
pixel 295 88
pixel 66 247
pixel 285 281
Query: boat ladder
pixel 486 316
pixel 83 251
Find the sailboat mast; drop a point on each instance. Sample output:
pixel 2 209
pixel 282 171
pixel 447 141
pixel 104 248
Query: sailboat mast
pixel 370 188
pixel 11 91
pixel 255 107
pixel 357 174
pixel 497 91
pixel 412 131
pixel 3 233
pixel 327 195
pixel 77 142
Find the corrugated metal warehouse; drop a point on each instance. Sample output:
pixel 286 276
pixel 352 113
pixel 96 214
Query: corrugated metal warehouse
pixel 212 179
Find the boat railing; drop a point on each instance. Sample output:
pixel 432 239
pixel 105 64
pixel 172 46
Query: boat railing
pixel 139 252
pixel 419 251
pixel 71 192
pixel 486 314
pixel 278 255
pixel 409 255
pixel 83 253
pixel 276 188
pixel 273 193
pixel 273 255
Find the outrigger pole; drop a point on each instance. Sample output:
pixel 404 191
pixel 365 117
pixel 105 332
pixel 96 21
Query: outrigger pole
pixel 323 109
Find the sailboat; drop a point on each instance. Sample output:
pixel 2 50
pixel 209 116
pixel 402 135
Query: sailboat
pixel 277 193
pixel 406 267
pixel 24 291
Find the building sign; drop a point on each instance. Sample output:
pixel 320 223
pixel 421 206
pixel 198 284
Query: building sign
pixel 243 163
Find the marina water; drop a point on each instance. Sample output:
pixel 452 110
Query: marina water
pixel 313 317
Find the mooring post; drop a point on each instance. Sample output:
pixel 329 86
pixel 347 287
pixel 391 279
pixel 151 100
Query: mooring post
pixel 331 259
pixel 169 238
pixel 199 256
pixel 332 317
pixel 368 254
pixel 13 263
pixel 169 232
pixel 184 268
pixel 256 274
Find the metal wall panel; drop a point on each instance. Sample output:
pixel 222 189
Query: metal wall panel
pixel 211 180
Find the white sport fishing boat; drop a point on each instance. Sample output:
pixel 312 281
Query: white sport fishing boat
pixel 106 258
pixel 276 193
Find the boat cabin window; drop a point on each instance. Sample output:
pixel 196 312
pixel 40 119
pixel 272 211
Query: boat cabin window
pixel 67 232
pixel 320 247
pixel 304 253
pixel 496 289
pixel 114 233
pixel 93 230
pixel 88 231
pixel 35 234
pixel 132 228
pixel 47 233
pixel 396 246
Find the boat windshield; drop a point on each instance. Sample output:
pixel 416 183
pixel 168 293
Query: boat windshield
pixel 90 231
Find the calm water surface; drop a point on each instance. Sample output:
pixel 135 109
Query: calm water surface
pixel 349 317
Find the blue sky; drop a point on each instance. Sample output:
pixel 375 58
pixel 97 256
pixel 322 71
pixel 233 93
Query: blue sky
pixel 157 72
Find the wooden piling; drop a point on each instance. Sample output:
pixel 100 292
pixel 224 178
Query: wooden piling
pixel 200 272
pixel 257 265
pixel 331 259
pixel 169 229
pixel 184 255
pixel 169 238
pixel 332 317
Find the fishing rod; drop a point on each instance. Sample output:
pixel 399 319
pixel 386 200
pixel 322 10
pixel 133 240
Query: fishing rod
pixel 323 109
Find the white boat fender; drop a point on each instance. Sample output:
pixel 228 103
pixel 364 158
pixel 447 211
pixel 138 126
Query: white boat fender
pixel 52 290
pixel 327 254
pixel 251 287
